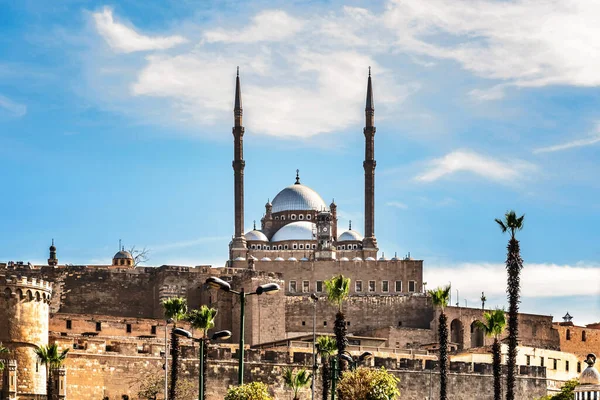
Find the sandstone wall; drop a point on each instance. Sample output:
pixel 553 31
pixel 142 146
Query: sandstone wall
pixel 575 342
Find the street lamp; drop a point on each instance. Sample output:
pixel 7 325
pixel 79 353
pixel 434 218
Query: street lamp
pixel 314 298
pixel 268 288
pixel 346 356
pixel 215 336
pixel 167 322
pixel 354 361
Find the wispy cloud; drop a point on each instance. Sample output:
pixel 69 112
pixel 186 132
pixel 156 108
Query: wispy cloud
pixel 13 108
pixel 124 39
pixel 266 26
pixel 591 140
pixel 396 204
pixel 470 162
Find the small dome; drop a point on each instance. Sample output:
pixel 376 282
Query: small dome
pixel 298 197
pixel 240 259
pixel 350 236
pixel 357 259
pixel 369 259
pixel 395 258
pixel 304 259
pixel 344 259
pixel 292 259
pixel 590 375
pixel 256 235
pixel 279 259
pixel 123 254
pixel 265 259
pixel 299 230
pixel 382 258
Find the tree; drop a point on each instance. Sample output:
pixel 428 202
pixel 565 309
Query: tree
pixel 566 391
pixel 514 264
pixel 494 324
pixel 440 298
pixel 249 391
pixel 326 347
pixel 337 289
pixel 176 310
pixel 52 358
pixel 296 380
pixel 3 350
pixel 139 256
pixel 203 319
pixel 368 384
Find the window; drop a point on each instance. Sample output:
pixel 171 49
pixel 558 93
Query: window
pixel 324 323
pixel 411 286
pixel 128 328
pixel 301 247
pixel 292 286
pixel 308 217
pixel 398 286
pixel 305 286
pixel 277 217
pixel 314 246
pixel 303 323
pixel 567 366
pixel 555 364
pixel 283 217
pixel 568 334
pixel 385 286
pixel 399 323
pixel 583 336
pixel 541 361
pixel 300 217
pixel 69 324
pixel 528 360
pixel 355 247
pixel 293 217
pixel 98 326
pixel 533 330
pixel 280 247
pixel 319 286
pixel 371 286
pixel 294 246
pixel 253 247
pixel 348 323
pixel 153 330
pixel 285 246
pixel 358 286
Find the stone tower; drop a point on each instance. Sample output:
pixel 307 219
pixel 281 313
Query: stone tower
pixel 25 306
pixel 238 244
pixel 52 260
pixel 325 249
pixel 369 242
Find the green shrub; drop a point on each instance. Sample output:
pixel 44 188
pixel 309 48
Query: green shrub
pixel 249 391
pixel 368 384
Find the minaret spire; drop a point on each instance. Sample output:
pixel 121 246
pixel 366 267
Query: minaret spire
pixel 239 242
pixel 52 260
pixel 369 242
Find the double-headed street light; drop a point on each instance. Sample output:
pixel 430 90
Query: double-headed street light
pixel 353 361
pixel 268 288
pixel 215 336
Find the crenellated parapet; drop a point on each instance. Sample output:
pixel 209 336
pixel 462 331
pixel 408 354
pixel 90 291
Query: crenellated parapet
pixel 25 288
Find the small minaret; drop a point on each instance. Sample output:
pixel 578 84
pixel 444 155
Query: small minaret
pixel 53 260
pixel 239 242
pixel 333 209
pixel 369 242
pixel 325 248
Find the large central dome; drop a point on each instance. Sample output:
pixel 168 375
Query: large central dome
pixel 298 197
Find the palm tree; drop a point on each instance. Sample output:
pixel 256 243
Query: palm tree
pixel 337 289
pixel 514 264
pixel 50 357
pixel 176 310
pixel 3 350
pixel 494 324
pixel 326 347
pixel 296 381
pixel 440 298
pixel 203 319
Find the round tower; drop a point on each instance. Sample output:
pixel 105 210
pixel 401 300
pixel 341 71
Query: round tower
pixel 24 314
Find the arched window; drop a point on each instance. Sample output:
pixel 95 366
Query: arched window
pixel 293 217
pixel 253 247
pixel 280 247
pixel 568 334
pixel 285 246
pixel 294 246
pixel 355 247
pixel 29 295
pixel 301 246
pixel 277 217
pixel 7 293
pixel 301 217
pixel 343 247
pixel 283 217
pixel 308 217
pixel 314 246
pixel 583 336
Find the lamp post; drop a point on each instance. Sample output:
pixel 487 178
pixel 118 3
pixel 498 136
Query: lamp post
pixel 268 288
pixel 314 298
pixel 202 341
pixel 346 356
pixel 167 322
pixel 354 361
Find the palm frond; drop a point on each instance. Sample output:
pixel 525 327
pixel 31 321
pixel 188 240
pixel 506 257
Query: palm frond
pixel 175 308
pixel 203 319
pixel 326 346
pixel 440 296
pixel 502 226
pixel 337 288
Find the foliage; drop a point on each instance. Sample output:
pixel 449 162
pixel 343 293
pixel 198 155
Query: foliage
pixel 514 264
pixel 176 310
pixel 368 384
pixel 440 296
pixel 495 322
pixel 337 289
pixel 150 386
pixel 139 256
pixel 249 391
pixel 52 358
pixel 3 350
pixel 203 319
pixel 566 392
pixel 296 380
pixel 326 347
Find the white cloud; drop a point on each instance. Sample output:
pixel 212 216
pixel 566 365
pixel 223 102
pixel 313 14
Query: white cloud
pixel 396 204
pixel 126 40
pixel 591 140
pixel 467 161
pixel 266 26
pixel 13 108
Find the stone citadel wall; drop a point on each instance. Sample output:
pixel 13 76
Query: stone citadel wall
pixel 579 340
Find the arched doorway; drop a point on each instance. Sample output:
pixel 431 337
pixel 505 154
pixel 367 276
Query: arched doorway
pixel 477 335
pixel 456 333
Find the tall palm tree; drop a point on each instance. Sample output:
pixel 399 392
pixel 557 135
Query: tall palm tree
pixel 203 319
pixel 52 358
pixel 3 350
pixel 337 289
pixel 176 310
pixel 326 347
pixel 494 324
pixel 296 380
pixel 514 264
pixel 440 298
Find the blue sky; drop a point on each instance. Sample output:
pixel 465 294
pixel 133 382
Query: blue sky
pixel 115 123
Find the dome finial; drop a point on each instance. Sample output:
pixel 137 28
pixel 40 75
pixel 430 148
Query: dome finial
pixel 350 225
pixel 52 241
pixel 254 224
pixel 369 70
pixel 119 244
pixel 238 71
pixel 297 177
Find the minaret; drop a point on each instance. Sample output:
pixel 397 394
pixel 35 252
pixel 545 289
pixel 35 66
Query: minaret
pixel 53 261
pixel 369 242
pixel 239 242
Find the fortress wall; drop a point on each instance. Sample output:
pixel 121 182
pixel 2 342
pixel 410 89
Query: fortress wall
pixel 575 344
